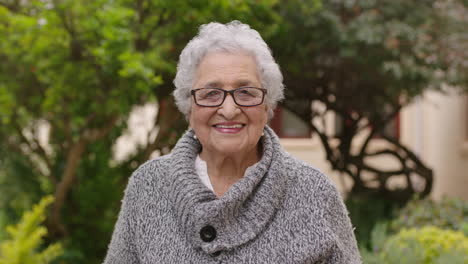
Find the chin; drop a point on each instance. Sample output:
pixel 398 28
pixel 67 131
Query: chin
pixel 236 148
pixel 230 150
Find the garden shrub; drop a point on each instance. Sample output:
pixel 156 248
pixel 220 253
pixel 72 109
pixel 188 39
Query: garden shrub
pixel 377 240
pixel 424 231
pixel 448 213
pixel 25 242
pixel 427 245
pixel 366 212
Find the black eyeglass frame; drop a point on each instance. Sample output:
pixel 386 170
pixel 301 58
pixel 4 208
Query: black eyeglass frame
pixel 231 92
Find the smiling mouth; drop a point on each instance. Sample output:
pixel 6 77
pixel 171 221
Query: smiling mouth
pixel 230 126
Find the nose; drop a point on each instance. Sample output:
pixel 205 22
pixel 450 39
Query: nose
pixel 229 109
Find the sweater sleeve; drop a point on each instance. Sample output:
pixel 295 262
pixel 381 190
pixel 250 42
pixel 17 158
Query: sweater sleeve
pixel 336 214
pixel 122 249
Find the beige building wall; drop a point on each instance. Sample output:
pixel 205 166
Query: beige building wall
pixel 311 151
pixel 434 127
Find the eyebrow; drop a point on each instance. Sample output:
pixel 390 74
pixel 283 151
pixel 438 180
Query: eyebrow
pixel 242 82
pixel 214 84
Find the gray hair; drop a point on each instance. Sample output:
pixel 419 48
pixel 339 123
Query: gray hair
pixel 233 37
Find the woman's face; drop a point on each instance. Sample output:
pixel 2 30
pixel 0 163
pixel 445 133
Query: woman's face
pixel 228 129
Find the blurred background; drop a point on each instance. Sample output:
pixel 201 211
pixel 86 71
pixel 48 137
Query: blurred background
pixel 376 97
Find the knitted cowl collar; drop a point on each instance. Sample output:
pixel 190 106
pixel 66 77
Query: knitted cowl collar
pixel 242 212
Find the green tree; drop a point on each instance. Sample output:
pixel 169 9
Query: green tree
pixel 364 61
pixel 27 238
pixel 71 72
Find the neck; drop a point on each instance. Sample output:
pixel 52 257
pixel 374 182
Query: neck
pixel 225 170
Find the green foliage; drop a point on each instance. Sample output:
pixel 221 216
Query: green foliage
pixel 377 240
pixel 363 61
pixel 96 197
pixel 19 190
pixel 448 213
pixel 26 239
pixel 425 231
pixel 426 245
pixel 359 45
pixel 366 212
pixel 2 226
pixel 80 67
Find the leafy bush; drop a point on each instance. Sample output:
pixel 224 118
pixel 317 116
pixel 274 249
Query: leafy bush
pixel 2 224
pixel 377 240
pixel 424 231
pixel 26 239
pixel 426 245
pixel 449 213
pixel 366 212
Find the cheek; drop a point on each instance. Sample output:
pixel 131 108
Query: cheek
pixel 260 117
pixel 194 118
pixel 191 118
pixel 199 117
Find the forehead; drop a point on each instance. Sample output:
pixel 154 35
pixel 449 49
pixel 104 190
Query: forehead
pixel 222 69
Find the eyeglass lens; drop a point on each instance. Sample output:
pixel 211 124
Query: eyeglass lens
pixel 242 96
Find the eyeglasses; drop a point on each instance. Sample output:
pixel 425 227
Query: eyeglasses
pixel 243 96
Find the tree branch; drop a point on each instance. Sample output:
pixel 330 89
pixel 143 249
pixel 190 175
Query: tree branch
pixel 420 168
pixel 39 151
pixel 73 159
pixel 94 134
pixel 71 165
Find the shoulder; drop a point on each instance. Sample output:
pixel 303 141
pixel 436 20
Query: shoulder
pixel 150 175
pixel 154 164
pixel 306 177
pixel 308 187
pixel 313 200
pixel 147 170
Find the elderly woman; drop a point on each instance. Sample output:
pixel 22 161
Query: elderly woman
pixel 228 192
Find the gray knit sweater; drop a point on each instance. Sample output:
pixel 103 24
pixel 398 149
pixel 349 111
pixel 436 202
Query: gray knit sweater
pixel 282 211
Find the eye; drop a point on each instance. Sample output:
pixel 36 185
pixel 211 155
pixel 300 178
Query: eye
pixel 213 93
pixel 248 92
pixel 209 94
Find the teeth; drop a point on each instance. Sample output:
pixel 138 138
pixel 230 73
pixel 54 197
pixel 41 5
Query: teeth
pixel 233 126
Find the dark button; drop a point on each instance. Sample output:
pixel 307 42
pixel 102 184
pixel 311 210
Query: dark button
pixel 208 233
pixel 215 254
